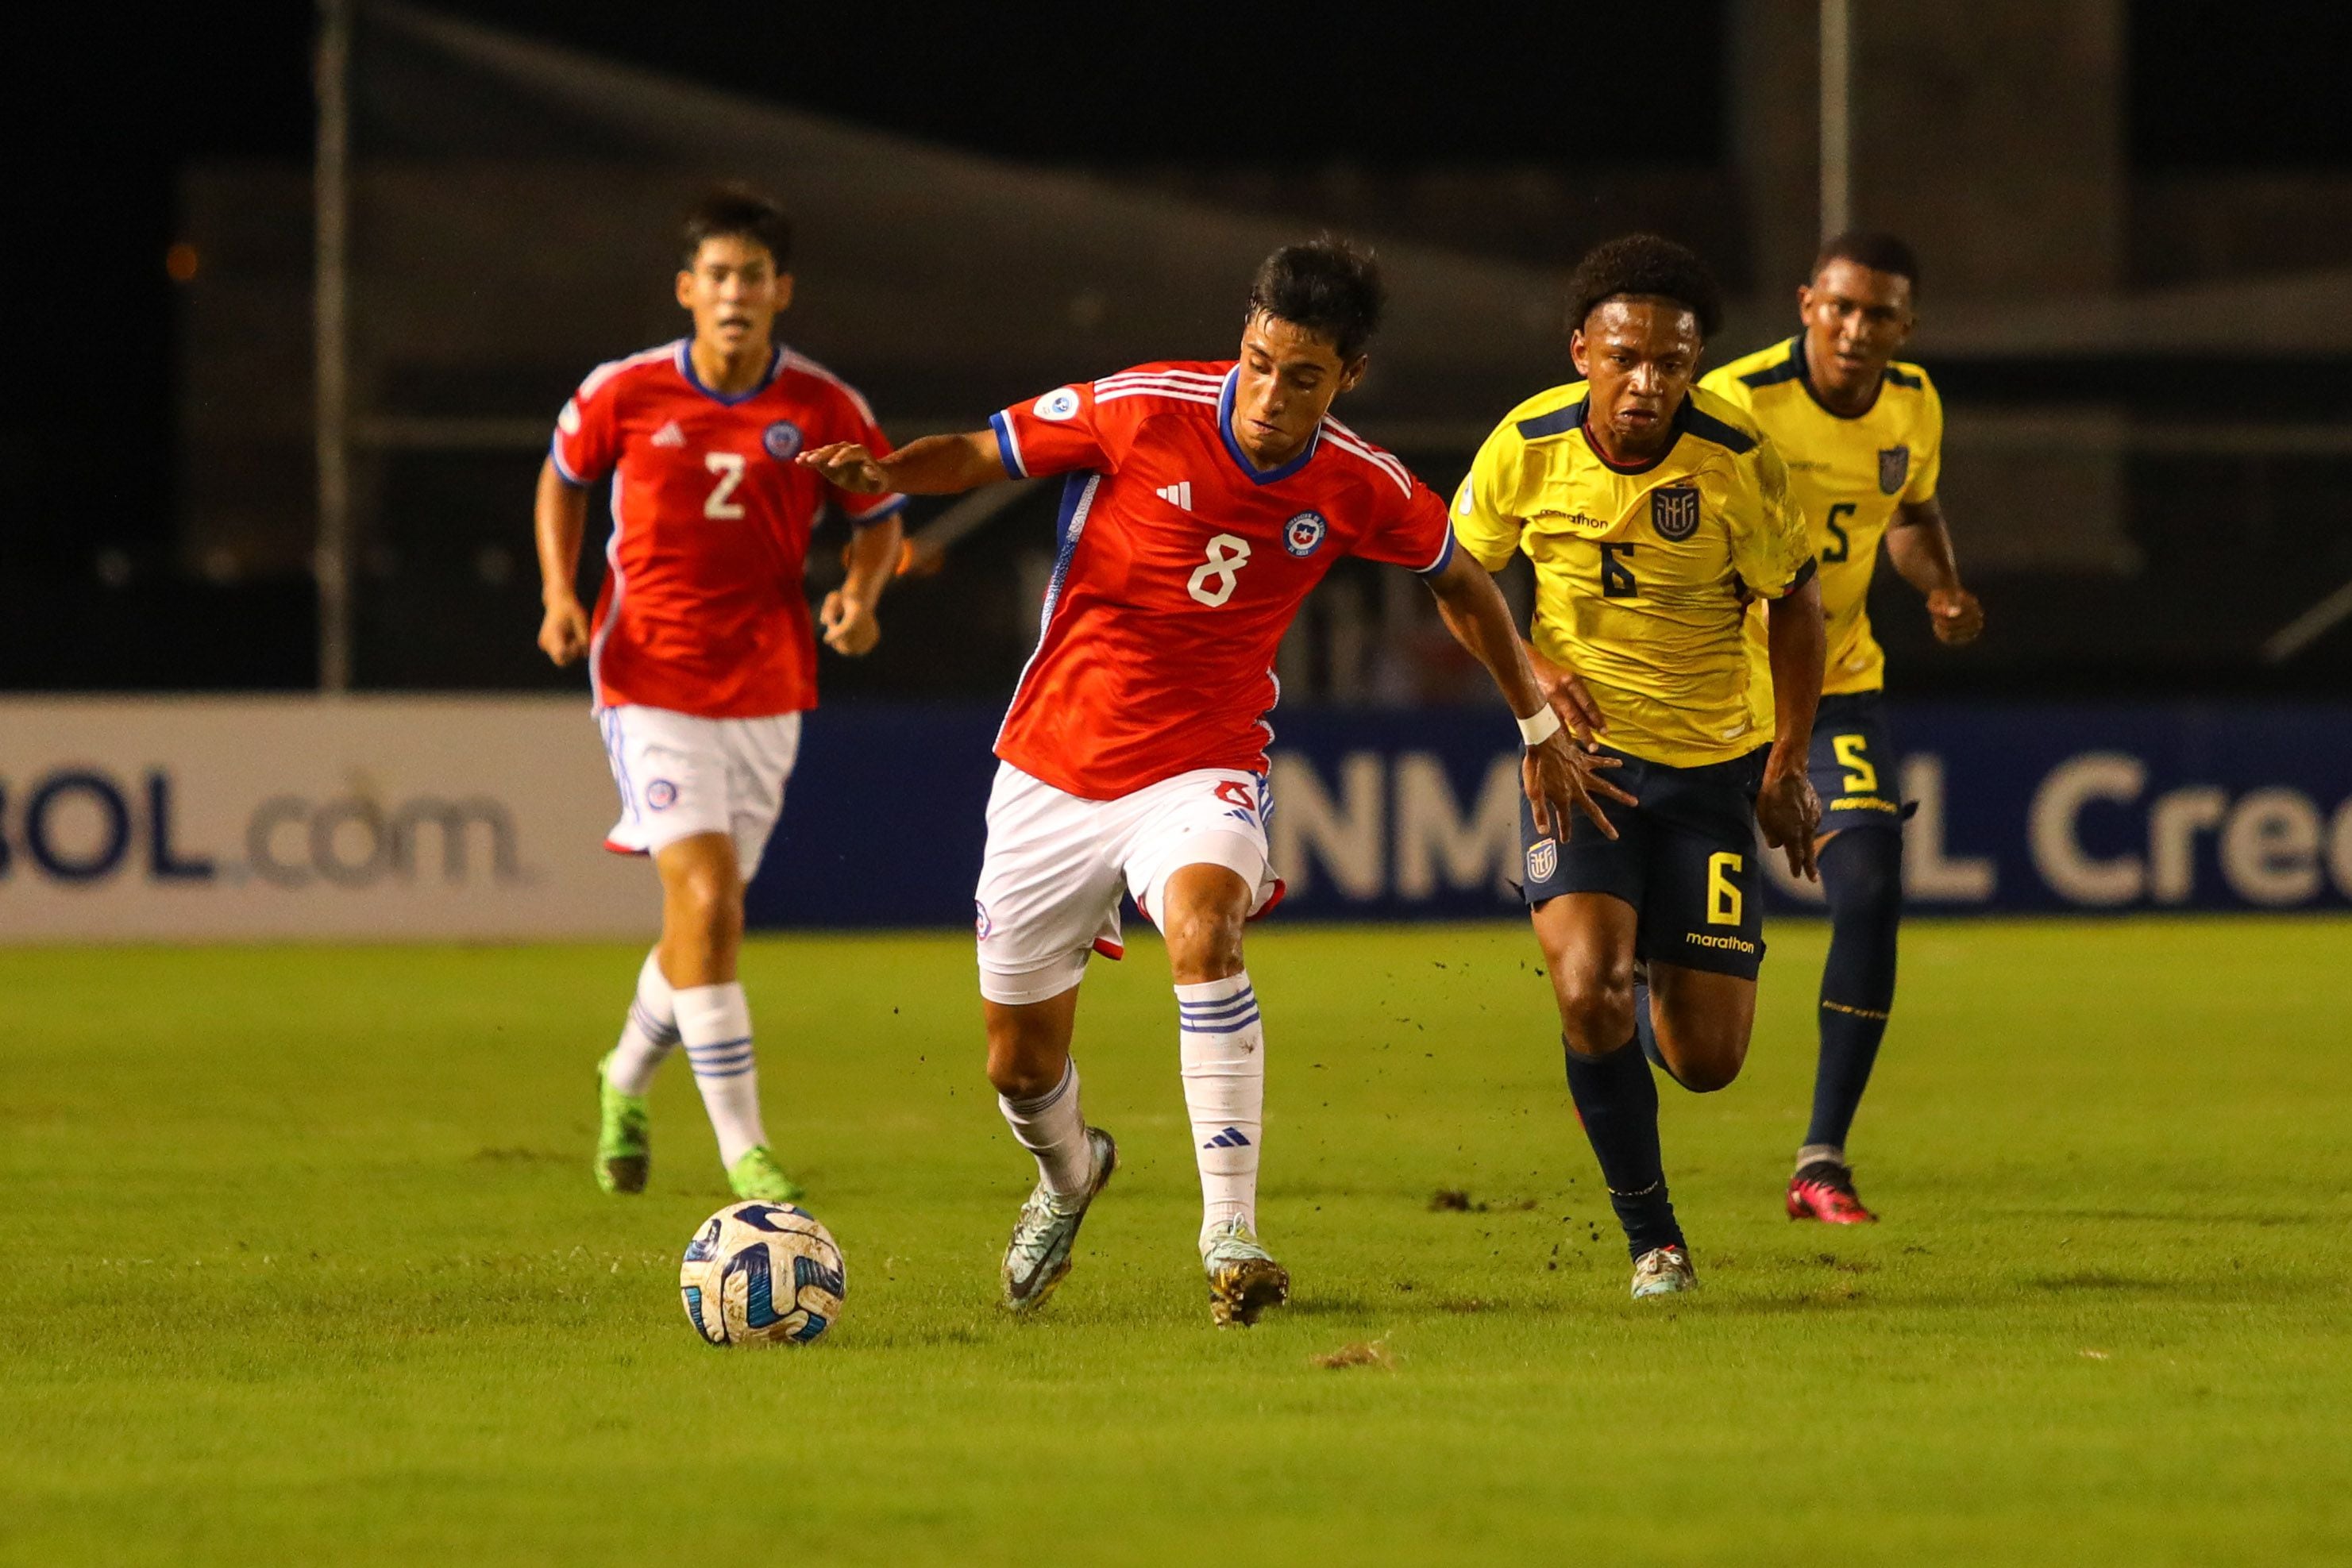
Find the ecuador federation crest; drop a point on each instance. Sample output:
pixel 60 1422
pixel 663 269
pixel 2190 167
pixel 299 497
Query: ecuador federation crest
pixel 1543 860
pixel 1893 467
pixel 1673 512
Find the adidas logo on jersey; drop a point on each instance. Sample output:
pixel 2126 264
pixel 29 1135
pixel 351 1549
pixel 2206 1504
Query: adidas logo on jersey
pixel 669 436
pixel 1179 495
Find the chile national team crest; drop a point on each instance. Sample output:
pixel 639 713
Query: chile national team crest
pixel 1893 467
pixel 1303 534
pixel 783 440
pixel 1673 512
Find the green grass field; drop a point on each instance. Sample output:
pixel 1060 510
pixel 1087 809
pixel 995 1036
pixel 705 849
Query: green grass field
pixel 304 1263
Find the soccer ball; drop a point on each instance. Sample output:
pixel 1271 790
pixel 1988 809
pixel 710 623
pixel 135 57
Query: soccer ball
pixel 761 1273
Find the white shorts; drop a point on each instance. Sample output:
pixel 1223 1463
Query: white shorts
pixel 679 776
pixel 1057 863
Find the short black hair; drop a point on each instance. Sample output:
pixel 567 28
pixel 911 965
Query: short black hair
pixel 1644 263
pixel 1872 249
pixel 742 213
pixel 1327 286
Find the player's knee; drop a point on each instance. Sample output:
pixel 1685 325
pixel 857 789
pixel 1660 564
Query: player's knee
pixel 1596 1007
pixel 1018 1064
pixel 1205 943
pixel 1707 1071
pixel 706 907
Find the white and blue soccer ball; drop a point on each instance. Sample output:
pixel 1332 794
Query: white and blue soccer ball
pixel 761 1273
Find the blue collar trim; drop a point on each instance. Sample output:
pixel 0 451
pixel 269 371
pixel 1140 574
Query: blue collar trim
pixel 1251 471
pixel 686 368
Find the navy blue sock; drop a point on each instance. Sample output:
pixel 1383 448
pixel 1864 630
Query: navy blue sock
pixel 1617 1100
pixel 1862 871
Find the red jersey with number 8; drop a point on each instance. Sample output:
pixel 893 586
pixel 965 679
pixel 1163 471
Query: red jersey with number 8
pixel 703 610
pixel 1181 565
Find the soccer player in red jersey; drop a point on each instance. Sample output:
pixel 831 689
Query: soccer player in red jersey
pixel 1204 502
pixel 700 653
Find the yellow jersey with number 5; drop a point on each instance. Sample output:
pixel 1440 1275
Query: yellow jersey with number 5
pixel 1643 575
pixel 1848 473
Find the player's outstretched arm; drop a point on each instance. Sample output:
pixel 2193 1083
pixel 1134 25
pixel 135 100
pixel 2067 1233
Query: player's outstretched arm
pixel 1920 545
pixel 560 515
pixel 1561 772
pixel 1786 807
pixel 934 466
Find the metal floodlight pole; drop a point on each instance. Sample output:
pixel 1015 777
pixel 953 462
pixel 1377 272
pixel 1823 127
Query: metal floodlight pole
pixel 1837 117
pixel 332 562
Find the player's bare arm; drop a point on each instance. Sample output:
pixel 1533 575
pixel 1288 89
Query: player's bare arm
pixel 847 614
pixel 1920 545
pixel 933 466
pixel 1786 806
pixel 559 517
pixel 1560 772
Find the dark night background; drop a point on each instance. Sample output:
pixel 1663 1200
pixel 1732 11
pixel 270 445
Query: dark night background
pixel 105 116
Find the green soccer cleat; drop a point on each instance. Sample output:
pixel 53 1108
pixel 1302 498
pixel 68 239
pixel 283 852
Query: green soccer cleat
pixel 757 1176
pixel 1039 1253
pixel 1663 1272
pixel 625 1151
pixel 1244 1277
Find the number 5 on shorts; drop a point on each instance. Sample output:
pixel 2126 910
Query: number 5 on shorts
pixel 1723 897
pixel 1861 779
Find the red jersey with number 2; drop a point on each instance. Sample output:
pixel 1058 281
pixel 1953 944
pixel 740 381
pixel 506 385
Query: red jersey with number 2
pixel 1181 566
pixel 703 610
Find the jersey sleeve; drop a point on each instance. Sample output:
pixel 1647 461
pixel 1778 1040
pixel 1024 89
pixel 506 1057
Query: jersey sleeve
pixel 855 420
pixel 1927 454
pixel 1410 529
pixel 587 436
pixel 1483 519
pixel 1062 431
pixel 1771 549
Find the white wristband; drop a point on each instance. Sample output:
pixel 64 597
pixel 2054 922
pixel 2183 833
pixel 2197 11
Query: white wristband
pixel 1539 726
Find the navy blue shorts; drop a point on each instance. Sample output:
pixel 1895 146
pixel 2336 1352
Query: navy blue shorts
pixel 1684 859
pixel 1853 765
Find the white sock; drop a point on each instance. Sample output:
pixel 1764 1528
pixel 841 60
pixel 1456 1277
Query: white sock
pixel 1833 1153
pixel 1223 1042
pixel 649 1035
pixel 1053 1128
pixel 716 1024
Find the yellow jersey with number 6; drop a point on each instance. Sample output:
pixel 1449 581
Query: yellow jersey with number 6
pixel 1849 475
pixel 1643 575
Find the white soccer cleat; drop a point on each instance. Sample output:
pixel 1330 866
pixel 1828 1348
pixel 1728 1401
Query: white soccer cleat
pixel 1663 1272
pixel 1039 1254
pixel 1244 1277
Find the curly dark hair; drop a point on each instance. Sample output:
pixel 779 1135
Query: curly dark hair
pixel 1644 265
pixel 1872 249
pixel 1328 286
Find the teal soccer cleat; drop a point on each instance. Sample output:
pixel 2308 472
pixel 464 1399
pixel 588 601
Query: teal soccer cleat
pixel 1039 1253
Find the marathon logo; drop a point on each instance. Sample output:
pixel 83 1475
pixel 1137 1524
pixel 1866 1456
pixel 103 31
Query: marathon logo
pixel 1731 944
pixel 1862 803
